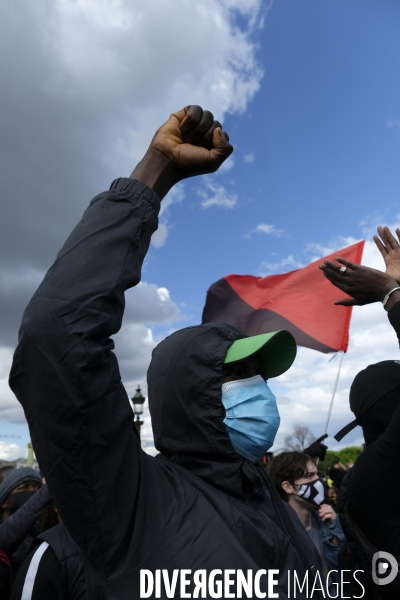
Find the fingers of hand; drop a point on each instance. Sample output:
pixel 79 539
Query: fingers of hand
pixel 347 263
pixel 192 119
pixel 346 302
pixel 382 249
pixel 198 132
pixel 388 238
pixel 221 150
pixel 333 273
pixel 207 141
pixel 332 267
pixel 327 511
pixel 319 440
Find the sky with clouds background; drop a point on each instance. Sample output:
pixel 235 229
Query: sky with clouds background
pixel 309 92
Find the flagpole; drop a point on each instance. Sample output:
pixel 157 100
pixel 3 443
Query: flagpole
pixel 333 394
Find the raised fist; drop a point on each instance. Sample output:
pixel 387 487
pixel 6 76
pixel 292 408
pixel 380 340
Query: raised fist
pixel 190 143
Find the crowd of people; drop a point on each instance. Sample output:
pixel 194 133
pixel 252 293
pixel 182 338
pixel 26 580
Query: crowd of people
pixel 203 518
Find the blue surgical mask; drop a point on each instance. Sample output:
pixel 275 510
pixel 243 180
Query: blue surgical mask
pixel 252 418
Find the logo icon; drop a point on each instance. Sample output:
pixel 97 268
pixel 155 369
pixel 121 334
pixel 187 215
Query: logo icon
pixel 384 568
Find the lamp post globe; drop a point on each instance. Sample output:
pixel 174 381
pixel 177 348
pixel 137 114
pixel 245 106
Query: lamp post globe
pixel 138 401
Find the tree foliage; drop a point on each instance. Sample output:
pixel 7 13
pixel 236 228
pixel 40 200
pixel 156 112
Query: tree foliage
pixel 345 456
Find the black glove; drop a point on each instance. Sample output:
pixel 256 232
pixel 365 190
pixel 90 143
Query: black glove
pixel 317 449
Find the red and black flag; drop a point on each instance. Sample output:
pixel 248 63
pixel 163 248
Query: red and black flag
pixel 301 301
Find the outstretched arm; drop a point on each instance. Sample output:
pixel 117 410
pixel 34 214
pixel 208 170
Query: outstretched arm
pixel 65 373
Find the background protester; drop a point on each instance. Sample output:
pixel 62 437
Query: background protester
pixel 370 491
pixel 4 471
pixel 53 569
pixel 297 480
pixel 21 523
pixel 331 495
pixel 204 502
pixel 20 511
pixel 17 487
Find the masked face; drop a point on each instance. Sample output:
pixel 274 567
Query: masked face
pixel 18 499
pixel 313 493
pixel 252 418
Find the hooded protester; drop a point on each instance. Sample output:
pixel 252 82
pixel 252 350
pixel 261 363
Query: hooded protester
pixel 369 495
pixel 17 487
pixel 202 515
pixel 21 505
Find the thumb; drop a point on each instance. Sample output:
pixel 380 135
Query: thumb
pixel 346 302
pixel 319 440
pixel 180 115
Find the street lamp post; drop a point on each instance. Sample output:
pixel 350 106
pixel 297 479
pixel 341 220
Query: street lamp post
pixel 29 460
pixel 138 401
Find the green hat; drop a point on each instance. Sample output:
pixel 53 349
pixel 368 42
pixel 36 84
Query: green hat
pixel 277 350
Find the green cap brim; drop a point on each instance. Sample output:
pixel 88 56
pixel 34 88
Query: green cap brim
pixel 277 350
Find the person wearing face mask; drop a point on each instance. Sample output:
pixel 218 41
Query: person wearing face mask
pixel 203 504
pixel 17 487
pixel 23 499
pixel 297 480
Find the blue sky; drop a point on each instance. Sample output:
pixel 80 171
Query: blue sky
pixel 325 154
pixel 308 91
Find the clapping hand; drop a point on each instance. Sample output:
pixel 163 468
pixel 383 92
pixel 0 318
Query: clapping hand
pixel 363 284
pixel 389 247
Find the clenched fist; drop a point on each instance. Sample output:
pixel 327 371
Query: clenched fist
pixel 190 143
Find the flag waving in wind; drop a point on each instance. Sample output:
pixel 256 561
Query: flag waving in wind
pixel 301 301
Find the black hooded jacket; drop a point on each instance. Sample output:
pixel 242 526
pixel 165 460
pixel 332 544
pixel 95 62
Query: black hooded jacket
pixel 199 505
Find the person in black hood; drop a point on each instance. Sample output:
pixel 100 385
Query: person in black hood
pixel 203 504
pixel 369 499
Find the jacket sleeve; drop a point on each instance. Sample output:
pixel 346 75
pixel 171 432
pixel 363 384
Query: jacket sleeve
pixel 15 529
pixel 333 529
pixel 66 375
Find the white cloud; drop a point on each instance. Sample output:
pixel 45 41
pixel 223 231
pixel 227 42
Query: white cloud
pixel 10 409
pixel 216 195
pixel 149 304
pixel 289 263
pixel 249 158
pixel 100 77
pixel 82 98
pixel 10 451
pixel 269 230
pixel 159 237
pixel 174 196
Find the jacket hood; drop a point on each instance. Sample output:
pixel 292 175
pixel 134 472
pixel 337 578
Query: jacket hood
pixel 184 387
